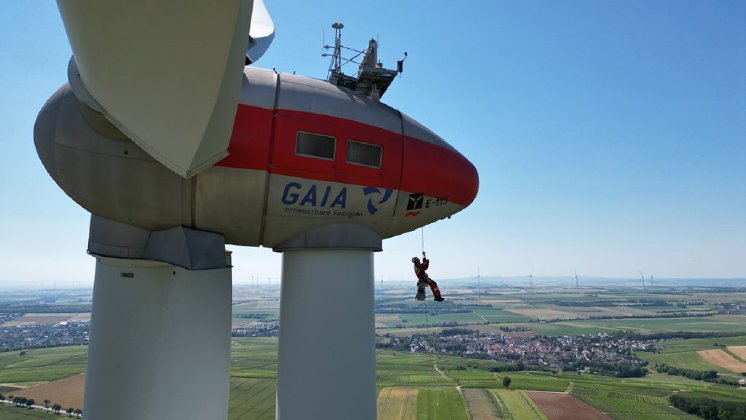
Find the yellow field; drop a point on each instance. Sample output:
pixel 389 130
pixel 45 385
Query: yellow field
pixel 32 319
pixel 397 403
pixel 723 360
pixel 739 351
pixel 67 392
pixel 543 313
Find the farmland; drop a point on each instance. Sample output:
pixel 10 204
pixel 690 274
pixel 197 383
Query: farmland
pixel 397 403
pixel 436 385
pixel 440 404
pixel 517 405
pixel 723 359
pixel 481 404
pixel 739 351
pixel 411 385
pixel 561 406
pixel 8 412
pixel 67 392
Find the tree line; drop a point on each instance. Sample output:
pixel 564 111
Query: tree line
pixel 29 403
pixel 709 408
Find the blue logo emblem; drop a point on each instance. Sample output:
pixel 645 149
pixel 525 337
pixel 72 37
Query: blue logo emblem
pixel 372 209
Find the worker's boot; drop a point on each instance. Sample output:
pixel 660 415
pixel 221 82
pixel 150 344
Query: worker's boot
pixel 420 291
pixel 436 293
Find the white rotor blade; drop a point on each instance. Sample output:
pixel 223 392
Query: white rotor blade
pixel 262 31
pixel 167 73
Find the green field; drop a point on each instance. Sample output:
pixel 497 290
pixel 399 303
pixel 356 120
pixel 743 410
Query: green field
pixel 440 403
pixel 9 412
pixel 252 398
pixel 638 325
pixel 254 360
pixel 42 364
pixel 517 405
pixel 683 353
pixel 623 405
pixel 254 365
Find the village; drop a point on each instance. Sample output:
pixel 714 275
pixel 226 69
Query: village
pixel 599 352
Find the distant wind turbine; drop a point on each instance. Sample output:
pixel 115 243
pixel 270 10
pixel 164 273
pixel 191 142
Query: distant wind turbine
pixel 577 289
pixel 479 285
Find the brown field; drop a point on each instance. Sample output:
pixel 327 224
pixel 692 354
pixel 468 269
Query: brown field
pixel 490 300
pixel 723 360
pixel 397 403
pixel 31 319
pixel 480 404
pixel 561 406
pixel 515 334
pixel 543 313
pixel 67 392
pixel 739 351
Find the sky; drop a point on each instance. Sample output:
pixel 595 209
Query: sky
pixel 610 137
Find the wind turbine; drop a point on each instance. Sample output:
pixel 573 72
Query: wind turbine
pixel 531 283
pixel 479 285
pixel 577 289
pixel 176 149
pixel 642 277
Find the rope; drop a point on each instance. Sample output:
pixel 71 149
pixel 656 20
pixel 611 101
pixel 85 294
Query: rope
pixel 422 230
pixel 429 325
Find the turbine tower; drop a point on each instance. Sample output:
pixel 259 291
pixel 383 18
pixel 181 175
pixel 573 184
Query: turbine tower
pixel 177 146
pixel 642 277
pixel 577 288
pixel 478 278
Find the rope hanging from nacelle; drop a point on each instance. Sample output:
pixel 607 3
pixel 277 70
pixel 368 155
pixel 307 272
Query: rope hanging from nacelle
pixel 422 230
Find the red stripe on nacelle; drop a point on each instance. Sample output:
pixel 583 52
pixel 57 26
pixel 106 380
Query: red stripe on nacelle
pixel 427 168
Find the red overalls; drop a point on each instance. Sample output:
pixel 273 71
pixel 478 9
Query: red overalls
pixel 422 277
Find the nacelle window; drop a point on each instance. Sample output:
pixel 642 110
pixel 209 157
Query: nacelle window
pixel 365 154
pixel 314 145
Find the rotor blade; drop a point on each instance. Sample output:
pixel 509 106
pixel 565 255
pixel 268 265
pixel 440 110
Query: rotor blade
pixel 167 73
pixel 262 31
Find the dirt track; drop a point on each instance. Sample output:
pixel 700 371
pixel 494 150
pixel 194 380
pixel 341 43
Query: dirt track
pixel 561 406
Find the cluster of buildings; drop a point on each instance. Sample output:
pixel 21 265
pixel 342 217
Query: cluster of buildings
pixel 66 333
pixel 733 308
pixel 259 329
pixel 538 351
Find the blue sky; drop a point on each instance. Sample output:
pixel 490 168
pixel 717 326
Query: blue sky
pixel 610 137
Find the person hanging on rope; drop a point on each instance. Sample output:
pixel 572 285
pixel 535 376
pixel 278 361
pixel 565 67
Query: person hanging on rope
pixel 424 280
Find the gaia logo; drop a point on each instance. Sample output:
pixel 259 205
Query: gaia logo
pixel 384 197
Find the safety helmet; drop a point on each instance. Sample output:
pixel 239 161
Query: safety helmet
pixel 415 260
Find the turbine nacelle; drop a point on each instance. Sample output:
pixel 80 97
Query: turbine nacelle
pixel 321 156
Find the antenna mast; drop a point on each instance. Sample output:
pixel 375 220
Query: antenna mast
pixel 372 79
pixel 336 65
